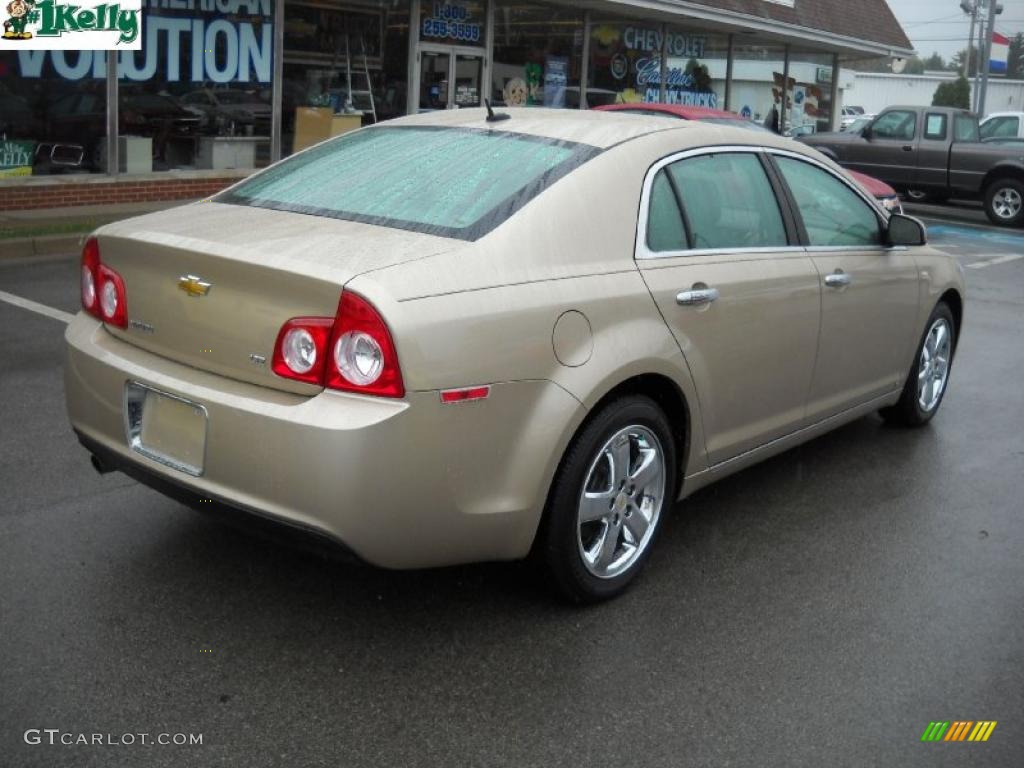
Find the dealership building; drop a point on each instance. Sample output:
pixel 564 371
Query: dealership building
pixel 221 87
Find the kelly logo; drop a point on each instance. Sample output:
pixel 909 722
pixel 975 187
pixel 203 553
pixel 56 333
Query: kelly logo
pixel 958 730
pixel 84 25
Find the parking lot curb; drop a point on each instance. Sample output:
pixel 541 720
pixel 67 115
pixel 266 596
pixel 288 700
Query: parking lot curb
pixel 20 247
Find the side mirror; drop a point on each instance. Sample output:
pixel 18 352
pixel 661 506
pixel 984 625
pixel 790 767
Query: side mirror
pixel 906 230
pixel 866 133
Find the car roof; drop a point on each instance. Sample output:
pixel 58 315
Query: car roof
pixel 583 126
pixel 1009 113
pixel 597 128
pixel 676 110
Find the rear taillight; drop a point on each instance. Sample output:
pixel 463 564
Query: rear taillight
pixel 301 349
pixel 352 351
pixel 103 291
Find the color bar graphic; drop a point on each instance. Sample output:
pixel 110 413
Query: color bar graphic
pixel 958 730
pixel 982 730
pixel 934 731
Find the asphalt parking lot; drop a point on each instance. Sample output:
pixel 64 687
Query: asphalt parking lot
pixel 819 609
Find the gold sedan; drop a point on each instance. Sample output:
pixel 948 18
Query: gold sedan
pixel 460 337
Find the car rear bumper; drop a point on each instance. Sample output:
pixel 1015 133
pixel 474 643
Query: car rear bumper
pixel 401 483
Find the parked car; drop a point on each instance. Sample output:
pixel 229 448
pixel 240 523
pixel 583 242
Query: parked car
pixel 885 194
pixel 850 114
pixel 78 118
pixel 857 124
pixel 805 129
pixel 222 109
pixel 415 340
pixel 934 152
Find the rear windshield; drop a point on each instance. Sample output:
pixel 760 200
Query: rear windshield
pixel 453 182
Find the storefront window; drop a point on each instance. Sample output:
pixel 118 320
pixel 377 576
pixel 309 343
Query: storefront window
pixel 344 63
pixel 697 62
pixel 626 64
pixel 53 112
pixel 538 55
pixel 624 58
pixel 456 22
pixel 197 96
pixel 757 87
pixel 810 93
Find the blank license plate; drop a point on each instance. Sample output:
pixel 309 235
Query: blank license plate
pixel 165 428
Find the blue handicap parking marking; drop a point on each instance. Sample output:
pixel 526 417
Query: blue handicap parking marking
pixel 972 233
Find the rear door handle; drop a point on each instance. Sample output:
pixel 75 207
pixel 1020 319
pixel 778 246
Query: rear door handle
pixel 696 297
pixel 837 280
pixel 907 148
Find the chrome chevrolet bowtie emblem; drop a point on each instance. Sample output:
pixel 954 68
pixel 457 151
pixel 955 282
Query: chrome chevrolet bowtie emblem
pixel 193 285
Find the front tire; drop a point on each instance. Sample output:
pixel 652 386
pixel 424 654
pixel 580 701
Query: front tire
pixel 1004 202
pixel 616 482
pixel 926 383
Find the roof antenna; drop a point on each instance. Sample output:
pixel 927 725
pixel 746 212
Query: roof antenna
pixel 495 117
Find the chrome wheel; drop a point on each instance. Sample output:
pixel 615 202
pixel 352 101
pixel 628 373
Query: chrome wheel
pixel 1007 203
pixel 621 501
pixel 933 370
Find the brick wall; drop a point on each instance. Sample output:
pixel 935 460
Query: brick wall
pixel 102 190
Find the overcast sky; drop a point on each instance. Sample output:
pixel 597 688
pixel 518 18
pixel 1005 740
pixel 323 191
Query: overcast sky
pixel 940 25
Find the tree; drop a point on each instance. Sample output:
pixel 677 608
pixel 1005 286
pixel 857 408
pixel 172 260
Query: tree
pixel 956 64
pixel 935 61
pixel 953 93
pixel 1015 62
pixel 915 66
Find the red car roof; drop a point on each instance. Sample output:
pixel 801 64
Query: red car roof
pixel 876 187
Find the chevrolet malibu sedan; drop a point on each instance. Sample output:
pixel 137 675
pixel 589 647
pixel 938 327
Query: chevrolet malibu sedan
pixel 459 337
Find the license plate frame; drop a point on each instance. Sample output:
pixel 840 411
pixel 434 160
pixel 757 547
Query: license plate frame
pixel 166 428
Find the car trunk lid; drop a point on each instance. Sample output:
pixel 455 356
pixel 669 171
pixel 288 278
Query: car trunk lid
pixel 210 285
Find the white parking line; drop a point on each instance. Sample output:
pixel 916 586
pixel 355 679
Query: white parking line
pixel 34 306
pixel 992 261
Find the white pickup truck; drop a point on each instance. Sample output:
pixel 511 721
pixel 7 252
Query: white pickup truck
pixel 1002 125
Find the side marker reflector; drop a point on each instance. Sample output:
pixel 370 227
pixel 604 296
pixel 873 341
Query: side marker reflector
pixel 465 395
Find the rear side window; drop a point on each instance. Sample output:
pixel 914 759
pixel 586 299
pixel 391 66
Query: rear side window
pixel 965 128
pixel 729 202
pixel 453 182
pixel 935 127
pixel 665 231
pixel 833 214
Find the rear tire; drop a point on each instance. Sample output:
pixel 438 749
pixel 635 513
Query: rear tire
pixel 613 487
pixel 929 376
pixel 1004 202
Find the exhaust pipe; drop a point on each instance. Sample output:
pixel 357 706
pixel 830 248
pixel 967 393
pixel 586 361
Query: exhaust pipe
pixel 98 465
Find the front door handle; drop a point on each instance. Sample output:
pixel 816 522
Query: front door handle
pixel 837 279
pixel 907 148
pixel 696 297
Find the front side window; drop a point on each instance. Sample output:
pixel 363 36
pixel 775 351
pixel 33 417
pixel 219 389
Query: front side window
pixel 729 202
pixel 833 214
pixel 895 125
pixel 452 182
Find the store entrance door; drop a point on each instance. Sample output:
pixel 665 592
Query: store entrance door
pixel 450 77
